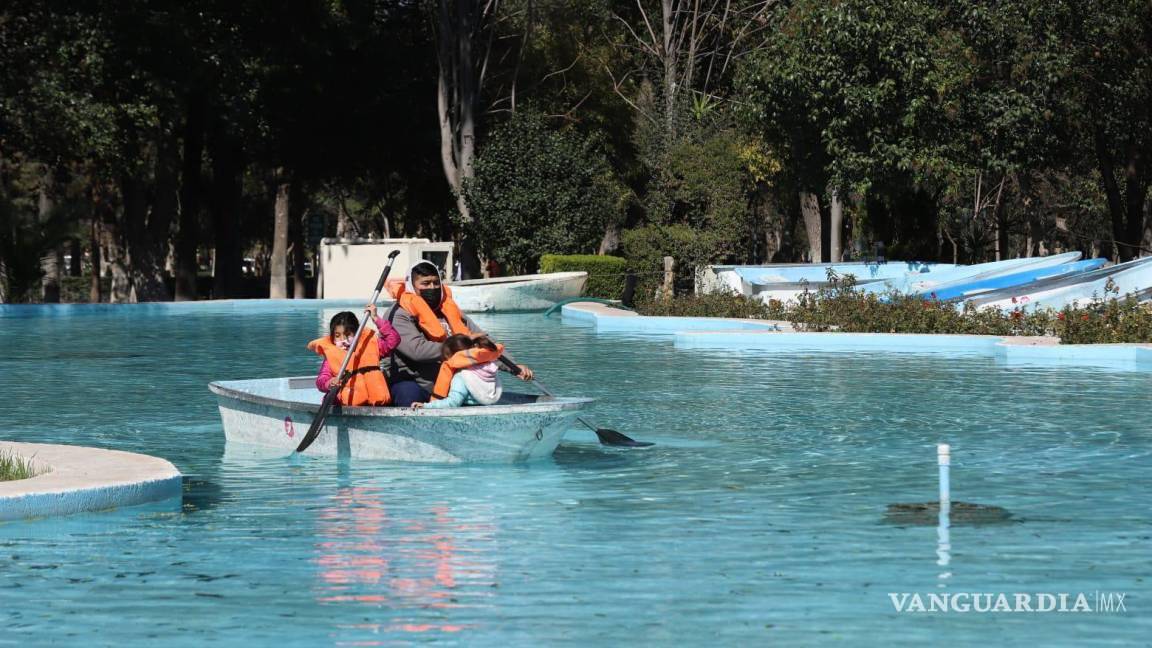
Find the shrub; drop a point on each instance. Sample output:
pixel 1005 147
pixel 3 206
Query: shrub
pixel 646 247
pixel 605 273
pixel 710 305
pixel 703 181
pixel 840 307
pixel 537 188
pixel 1106 321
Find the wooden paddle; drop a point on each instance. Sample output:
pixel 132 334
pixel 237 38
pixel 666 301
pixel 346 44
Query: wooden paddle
pixel 331 397
pixel 606 436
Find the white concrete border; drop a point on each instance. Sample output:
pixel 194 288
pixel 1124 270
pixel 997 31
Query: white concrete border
pixel 734 334
pixel 84 479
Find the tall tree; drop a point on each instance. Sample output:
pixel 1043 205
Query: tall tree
pixel 464 36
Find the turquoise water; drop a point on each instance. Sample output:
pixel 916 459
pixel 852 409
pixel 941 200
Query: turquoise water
pixel 757 518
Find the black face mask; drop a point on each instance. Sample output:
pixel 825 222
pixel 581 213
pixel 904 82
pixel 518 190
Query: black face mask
pixel 432 296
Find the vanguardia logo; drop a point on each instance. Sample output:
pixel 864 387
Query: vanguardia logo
pixel 989 602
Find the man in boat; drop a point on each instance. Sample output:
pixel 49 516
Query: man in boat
pixel 424 315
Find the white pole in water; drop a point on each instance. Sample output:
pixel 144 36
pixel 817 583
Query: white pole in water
pixel 944 460
pixel 943 533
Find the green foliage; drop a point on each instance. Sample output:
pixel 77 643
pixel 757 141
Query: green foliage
pixel 645 248
pixel 13 467
pixel 704 183
pixel 541 189
pixel 838 306
pixel 710 305
pixel 606 274
pixel 1111 320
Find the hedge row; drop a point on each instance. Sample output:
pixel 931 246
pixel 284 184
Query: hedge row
pixel 605 273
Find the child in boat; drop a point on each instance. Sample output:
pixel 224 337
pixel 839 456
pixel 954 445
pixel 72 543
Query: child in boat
pixel 468 375
pixel 367 385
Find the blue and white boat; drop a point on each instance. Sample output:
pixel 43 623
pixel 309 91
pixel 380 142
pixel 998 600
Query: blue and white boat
pixel 913 284
pixel 790 278
pixel 1131 278
pixel 786 282
pixel 965 288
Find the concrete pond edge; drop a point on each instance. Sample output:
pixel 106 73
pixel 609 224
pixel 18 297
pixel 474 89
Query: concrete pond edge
pixel 79 478
pixel 706 333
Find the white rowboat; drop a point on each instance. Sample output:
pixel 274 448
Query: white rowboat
pixel 276 413
pixel 519 293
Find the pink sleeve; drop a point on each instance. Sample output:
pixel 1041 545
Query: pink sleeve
pixel 389 337
pixel 324 377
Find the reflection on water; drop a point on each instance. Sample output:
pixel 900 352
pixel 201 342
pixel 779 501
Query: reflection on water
pixel 367 555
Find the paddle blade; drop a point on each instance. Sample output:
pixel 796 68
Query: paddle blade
pixel 614 438
pixel 318 420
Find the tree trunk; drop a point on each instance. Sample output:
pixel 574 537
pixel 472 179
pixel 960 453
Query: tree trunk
pixel 1135 195
pixel 610 242
pixel 117 248
pixel 345 228
pixel 810 209
pixel 75 254
pixel 135 260
pixel 188 233
pixel 457 90
pixel 296 230
pixel 147 231
pixel 50 259
pixel 669 53
pixel 1000 223
pixel 1126 209
pixel 835 227
pixel 775 224
pixel 466 82
pixel 95 288
pixel 278 286
pixel 227 191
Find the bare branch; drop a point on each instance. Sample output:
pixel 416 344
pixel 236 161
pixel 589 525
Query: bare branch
pixel 568 114
pixel 644 45
pixel 616 88
pixel 644 15
pixel 579 55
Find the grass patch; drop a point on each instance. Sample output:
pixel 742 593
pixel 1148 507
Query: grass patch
pixel 13 467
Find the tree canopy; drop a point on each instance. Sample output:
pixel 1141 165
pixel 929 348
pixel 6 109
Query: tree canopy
pixel 151 149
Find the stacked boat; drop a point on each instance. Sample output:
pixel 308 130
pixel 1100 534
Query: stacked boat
pixel 1123 279
pixel 1051 282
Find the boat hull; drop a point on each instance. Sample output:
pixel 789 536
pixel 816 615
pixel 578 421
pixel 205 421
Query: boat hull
pixel 276 413
pixel 519 293
pixel 1130 278
pixel 965 289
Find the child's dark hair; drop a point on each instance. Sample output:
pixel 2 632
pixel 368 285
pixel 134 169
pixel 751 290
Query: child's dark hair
pixel 347 319
pixel 459 342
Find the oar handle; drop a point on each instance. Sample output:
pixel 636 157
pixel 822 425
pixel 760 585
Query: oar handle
pixel 515 370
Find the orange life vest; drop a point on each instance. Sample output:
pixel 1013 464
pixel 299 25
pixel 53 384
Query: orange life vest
pixel 462 360
pixel 425 318
pixel 366 384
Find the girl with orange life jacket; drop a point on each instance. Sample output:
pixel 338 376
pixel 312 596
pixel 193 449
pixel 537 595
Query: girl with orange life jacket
pixel 469 374
pixel 425 315
pixel 366 384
